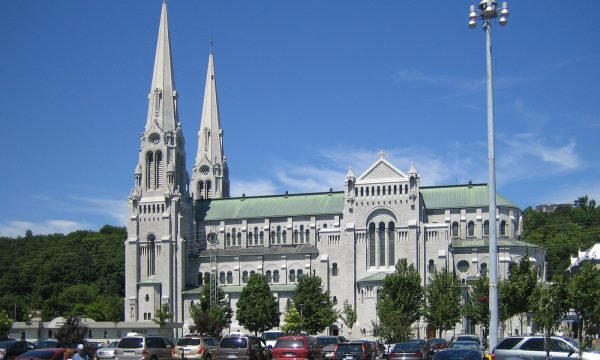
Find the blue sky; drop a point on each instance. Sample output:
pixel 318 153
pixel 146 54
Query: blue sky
pixel 306 90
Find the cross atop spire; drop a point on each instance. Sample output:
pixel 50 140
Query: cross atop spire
pixel 162 107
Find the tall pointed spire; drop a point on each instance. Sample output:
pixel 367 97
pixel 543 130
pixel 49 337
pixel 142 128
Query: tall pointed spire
pixel 162 103
pixel 210 144
pixel 210 173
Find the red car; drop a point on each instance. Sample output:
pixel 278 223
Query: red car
pixel 297 347
pixel 43 354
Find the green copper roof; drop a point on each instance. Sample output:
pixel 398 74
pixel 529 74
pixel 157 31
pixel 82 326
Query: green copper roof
pixel 376 277
pixel 231 289
pixel 270 206
pixel 460 196
pixel 502 242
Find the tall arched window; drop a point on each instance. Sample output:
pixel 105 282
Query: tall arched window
pixel 431 266
pixel 334 269
pixel 391 243
pixel 307 236
pixel 233 236
pixel 372 244
pixel 486 228
pixel 262 238
pixel 284 236
pixel 295 237
pixel 269 276
pixel 299 274
pixel 250 236
pixel 229 277
pixel 208 189
pixel 256 235
pixel 272 237
pixel 455 229
pixel 245 277
pixel 301 233
pixel 222 277
pixel 276 276
pixel 292 276
pixel 381 235
pixel 471 229
pixel 239 239
pixel 200 189
pixel 159 169
pixel 151 255
pixel 228 240
pixel 503 228
pixel 483 269
pixel 150 170
pixel 279 234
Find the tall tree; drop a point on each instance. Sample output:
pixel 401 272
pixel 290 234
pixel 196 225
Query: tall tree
pixel 257 308
pixel 443 296
pixel 522 280
pixel 5 324
pixel 583 292
pixel 292 321
pixel 314 305
pixel 73 331
pixel 547 306
pixel 401 302
pixel 348 316
pixel 477 306
pixel 207 319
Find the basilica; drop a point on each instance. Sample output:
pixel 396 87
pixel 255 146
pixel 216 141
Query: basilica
pixel 184 227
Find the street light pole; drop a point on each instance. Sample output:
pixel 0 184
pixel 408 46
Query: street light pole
pixel 488 11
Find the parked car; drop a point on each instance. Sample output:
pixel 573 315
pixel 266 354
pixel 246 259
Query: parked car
pixel 10 349
pixel 297 347
pixel 464 344
pixel 532 348
pixel 371 349
pixel 43 354
pixel 195 347
pixel 352 350
pixel 407 351
pixel 457 354
pixel 270 337
pixel 107 352
pixel 329 343
pixel 46 344
pixel 435 344
pixel 142 347
pixel 239 346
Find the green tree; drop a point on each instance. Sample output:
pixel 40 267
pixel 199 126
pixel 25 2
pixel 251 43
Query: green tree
pixel 162 315
pixel 547 306
pixel 348 316
pixel 207 319
pixel 583 292
pixel 401 303
pixel 477 306
pixel 522 280
pixel 5 324
pixel 314 305
pixel 257 308
pixel 73 331
pixel 292 321
pixel 442 308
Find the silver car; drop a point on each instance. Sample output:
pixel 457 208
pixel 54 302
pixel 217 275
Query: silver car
pixel 141 347
pixel 532 348
pixel 107 352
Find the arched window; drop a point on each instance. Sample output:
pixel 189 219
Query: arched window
pixel 269 277
pixel 279 234
pixel 483 269
pixel 207 277
pixel 256 235
pixel 391 243
pixel 200 189
pixel 147 298
pixel 334 300
pixel 150 170
pixel 245 277
pixel 486 228
pixel 431 267
pixel 378 191
pixel 228 240
pixel 381 234
pixel 292 276
pixel 222 277
pixel 151 255
pixel 239 239
pixel 300 274
pixel 307 236
pixel 208 189
pixel 276 276
pixel 262 238
pixel 233 236
pixel 229 277
pixel 301 233
pixel 250 236
pixel 471 229
pixel 273 237
pixel 334 269
pixel 372 244
pixel 455 229
pixel 284 237
pixel 503 228
pixel 395 190
pixel 295 239
pixel 159 169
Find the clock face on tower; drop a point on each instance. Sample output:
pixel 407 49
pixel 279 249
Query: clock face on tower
pixel 155 139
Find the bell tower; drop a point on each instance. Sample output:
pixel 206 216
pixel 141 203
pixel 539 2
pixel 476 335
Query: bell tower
pixel 160 208
pixel 210 174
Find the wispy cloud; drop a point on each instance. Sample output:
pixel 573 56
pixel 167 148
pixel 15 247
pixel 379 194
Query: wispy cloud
pixel 566 194
pixel 247 187
pixel 18 228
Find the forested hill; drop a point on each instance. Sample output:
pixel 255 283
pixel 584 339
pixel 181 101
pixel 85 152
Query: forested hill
pixel 563 232
pixel 81 273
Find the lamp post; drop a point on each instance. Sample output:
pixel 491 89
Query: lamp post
pixel 486 12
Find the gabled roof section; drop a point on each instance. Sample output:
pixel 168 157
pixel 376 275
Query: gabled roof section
pixel 381 170
pixel 270 206
pixel 460 196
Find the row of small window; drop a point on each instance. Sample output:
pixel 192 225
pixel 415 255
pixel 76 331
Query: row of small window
pixel 151 209
pixel 272 276
pixel 486 228
pixel 147 316
pixel 380 190
pixel 234 238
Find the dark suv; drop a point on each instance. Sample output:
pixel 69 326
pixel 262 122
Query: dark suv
pixel 244 347
pixel 532 348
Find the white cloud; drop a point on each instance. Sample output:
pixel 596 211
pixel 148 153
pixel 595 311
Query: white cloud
pixel 567 193
pixel 114 209
pixel 18 228
pixel 252 188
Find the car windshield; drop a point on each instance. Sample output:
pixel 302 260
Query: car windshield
pixel 467 338
pixel 112 344
pixel 349 348
pixel 289 343
pixel 407 346
pixel 188 342
pixel 272 335
pixel 131 343
pixel 465 345
pixel 234 343
pixel 324 341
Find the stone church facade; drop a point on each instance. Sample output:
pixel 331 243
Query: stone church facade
pixel 183 227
